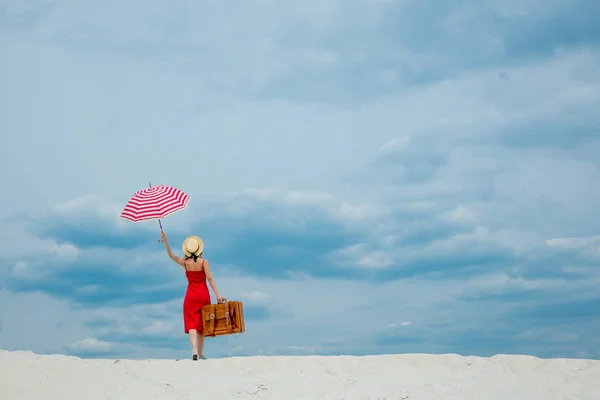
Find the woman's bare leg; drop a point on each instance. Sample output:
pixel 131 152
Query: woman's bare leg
pixel 194 340
pixel 200 340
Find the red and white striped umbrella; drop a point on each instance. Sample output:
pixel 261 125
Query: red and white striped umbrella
pixel 154 202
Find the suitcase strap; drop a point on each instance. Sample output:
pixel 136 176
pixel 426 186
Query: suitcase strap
pixel 211 324
pixel 231 316
pixel 212 318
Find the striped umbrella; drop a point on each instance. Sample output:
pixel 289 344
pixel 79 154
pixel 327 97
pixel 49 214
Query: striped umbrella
pixel 154 202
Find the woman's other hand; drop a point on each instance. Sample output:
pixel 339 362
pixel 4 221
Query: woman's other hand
pixel 163 236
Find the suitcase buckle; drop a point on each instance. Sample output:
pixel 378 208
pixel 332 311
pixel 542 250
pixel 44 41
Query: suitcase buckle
pixel 212 316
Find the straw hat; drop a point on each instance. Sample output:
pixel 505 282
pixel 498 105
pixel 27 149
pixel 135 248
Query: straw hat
pixel 192 245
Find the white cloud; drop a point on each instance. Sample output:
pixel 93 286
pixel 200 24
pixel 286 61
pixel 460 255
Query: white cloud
pixel 159 327
pixel 574 243
pixel 395 145
pixel 91 345
pixel 360 255
pixel 66 251
pixel 96 208
pixel 482 235
pixel 88 289
pixel 256 298
pixel 294 197
pixel 367 212
pixel 19 267
pixel 586 246
pixel 502 280
pixel 461 214
pixel 401 324
pixel 281 250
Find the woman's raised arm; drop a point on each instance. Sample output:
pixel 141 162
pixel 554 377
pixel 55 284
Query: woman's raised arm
pixel 178 260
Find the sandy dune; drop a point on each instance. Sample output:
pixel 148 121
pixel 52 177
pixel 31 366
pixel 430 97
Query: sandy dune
pixel 25 375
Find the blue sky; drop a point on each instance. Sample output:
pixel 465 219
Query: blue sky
pixel 368 176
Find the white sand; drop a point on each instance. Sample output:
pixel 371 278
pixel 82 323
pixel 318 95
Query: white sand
pixel 25 375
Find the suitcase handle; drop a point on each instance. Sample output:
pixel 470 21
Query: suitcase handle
pixel 223 300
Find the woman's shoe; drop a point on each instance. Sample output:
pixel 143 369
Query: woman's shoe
pixel 195 357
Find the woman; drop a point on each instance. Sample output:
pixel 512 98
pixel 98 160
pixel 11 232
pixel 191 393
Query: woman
pixel 197 295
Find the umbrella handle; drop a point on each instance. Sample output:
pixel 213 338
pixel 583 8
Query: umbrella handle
pixel 161 229
pixel 159 223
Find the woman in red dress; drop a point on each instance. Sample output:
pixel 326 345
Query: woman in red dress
pixel 197 295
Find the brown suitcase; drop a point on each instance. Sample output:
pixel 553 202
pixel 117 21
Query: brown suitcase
pixel 225 318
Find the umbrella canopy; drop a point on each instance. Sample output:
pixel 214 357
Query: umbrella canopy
pixel 154 202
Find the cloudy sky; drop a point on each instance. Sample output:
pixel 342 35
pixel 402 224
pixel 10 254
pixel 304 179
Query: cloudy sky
pixel 369 176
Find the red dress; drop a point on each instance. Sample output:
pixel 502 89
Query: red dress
pixel 196 296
